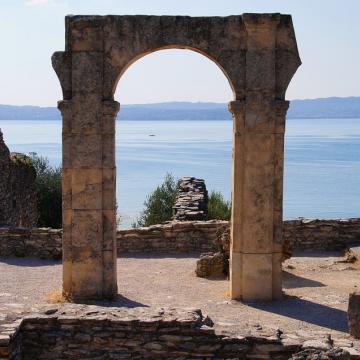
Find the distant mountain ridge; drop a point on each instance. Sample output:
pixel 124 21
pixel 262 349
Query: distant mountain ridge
pixel 332 107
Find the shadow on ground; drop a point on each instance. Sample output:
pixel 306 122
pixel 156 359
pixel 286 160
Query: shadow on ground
pixel 292 281
pixel 119 301
pixel 317 254
pixel 159 255
pixel 307 311
pixel 28 262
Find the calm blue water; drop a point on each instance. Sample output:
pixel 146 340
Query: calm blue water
pixel 322 160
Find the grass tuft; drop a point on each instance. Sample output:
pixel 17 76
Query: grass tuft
pixel 56 297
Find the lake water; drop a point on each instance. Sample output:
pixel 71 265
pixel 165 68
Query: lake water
pixel 322 160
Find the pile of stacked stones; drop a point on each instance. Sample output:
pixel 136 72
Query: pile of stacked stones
pixel 191 200
pixel 216 263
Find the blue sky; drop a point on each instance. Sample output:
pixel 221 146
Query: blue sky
pixel 327 32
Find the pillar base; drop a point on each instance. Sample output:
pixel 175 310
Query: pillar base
pixel 255 277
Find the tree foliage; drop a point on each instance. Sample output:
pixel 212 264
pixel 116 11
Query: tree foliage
pixel 48 188
pixel 218 207
pixel 158 204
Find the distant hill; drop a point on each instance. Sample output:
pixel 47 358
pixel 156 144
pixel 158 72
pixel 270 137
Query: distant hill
pixel 332 107
pixel 12 112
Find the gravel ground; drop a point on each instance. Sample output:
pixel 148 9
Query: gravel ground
pixel 316 287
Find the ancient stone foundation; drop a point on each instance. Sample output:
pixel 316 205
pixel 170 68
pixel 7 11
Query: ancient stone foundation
pixel 89 332
pixel 191 200
pixel 17 189
pixel 185 237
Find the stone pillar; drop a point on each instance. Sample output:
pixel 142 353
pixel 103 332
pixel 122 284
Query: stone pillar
pixel 88 184
pixel 256 225
pixel 258 140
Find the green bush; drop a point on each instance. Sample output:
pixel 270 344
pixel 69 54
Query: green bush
pixel 48 188
pixel 218 207
pixel 158 204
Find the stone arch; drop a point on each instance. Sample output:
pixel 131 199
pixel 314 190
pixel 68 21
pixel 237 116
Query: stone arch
pixel 259 55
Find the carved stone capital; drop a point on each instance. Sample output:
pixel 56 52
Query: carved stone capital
pixel 280 108
pixel 237 109
pixel 110 108
pixel 65 107
pixel 61 62
pixel 259 114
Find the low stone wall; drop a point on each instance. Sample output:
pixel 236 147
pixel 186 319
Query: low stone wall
pixel 329 235
pixel 187 236
pixel 184 236
pixel 43 243
pixel 92 332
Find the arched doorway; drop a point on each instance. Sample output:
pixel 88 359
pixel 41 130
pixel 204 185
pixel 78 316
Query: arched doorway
pixel 259 56
pixel 170 129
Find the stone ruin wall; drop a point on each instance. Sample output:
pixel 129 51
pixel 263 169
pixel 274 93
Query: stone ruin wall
pixel 17 189
pixel 88 332
pixel 183 237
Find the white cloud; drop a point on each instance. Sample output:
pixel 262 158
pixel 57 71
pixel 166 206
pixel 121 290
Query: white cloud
pixel 37 2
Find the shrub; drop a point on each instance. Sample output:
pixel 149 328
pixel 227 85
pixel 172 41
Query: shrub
pixel 48 188
pixel 158 204
pixel 218 207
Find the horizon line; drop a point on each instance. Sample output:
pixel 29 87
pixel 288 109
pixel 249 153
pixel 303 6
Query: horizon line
pixel 187 102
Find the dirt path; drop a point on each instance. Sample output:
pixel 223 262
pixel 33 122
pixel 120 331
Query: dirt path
pixel 316 287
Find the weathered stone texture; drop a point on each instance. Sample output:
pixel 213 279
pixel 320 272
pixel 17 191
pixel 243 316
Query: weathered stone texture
pixel 317 354
pixel 185 236
pixel 176 236
pixel 191 200
pixel 258 55
pixel 354 314
pixel 93 332
pixel 43 243
pixel 17 189
pixel 212 264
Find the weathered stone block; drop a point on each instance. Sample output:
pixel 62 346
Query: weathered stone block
pixel 109 229
pixel 257 277
pixel 110 273
pixel 211 264
pixel 84 34
pixel 86 151
pixel 109 188
pixel 86 188
pixel 86 114
pixel 66 189
pixel 66 150
pixel 110 110
pixel 354 314
pixel 86 232
pixel 257 222
pixel 87 73
pixel 108 159
pixel 87 277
